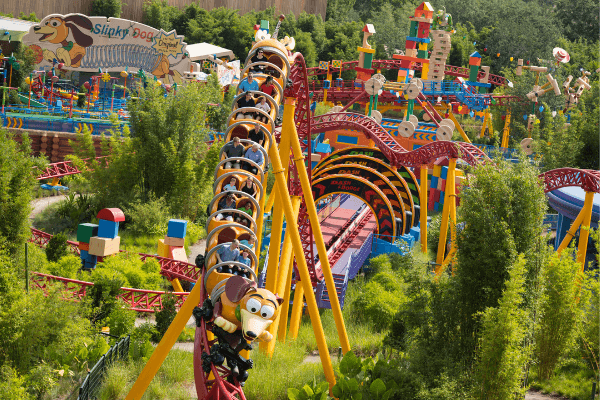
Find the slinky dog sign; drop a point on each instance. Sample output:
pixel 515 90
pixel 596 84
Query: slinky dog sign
pixel 88 44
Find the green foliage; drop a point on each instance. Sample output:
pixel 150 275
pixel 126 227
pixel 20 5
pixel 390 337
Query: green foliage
pixel 560 317
pixel 114 385
pixel 139 345
pixel 12 385
pixel 501 356
pixel 102 295
pixel 316 392
pixel 16 184
pixel 165 316
pixel 57 247
pixel 67 266
pixel 148 218
pixel 107 8
pixel 380 297
pixel 370 378
pixel 579 20
pixel 76 209
pixel 121 319
pixel 503 207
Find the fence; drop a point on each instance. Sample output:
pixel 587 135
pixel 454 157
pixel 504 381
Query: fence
pixel 91 384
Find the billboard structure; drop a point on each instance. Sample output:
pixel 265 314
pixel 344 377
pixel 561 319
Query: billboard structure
pixel 91 44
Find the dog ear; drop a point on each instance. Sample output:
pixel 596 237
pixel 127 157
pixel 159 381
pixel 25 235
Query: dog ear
pixel 279 299
pixel 237 287
pixel 80 20
pixel 80 38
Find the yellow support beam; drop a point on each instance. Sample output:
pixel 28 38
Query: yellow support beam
pixel 506 130
pixel 177 285
pixel 285 308
pixel 449 197
pixel 584 232
pixel 457 125
pixel 316 229
pixel 292 226
pixel 282 278
pixel 162 350
pixel 423 200
pixel 297 309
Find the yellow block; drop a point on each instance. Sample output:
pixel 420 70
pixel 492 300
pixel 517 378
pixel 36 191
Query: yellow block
pixel 163 249
pixel 437 171
pixel 422 46
pixel 425 71
pixel 365 50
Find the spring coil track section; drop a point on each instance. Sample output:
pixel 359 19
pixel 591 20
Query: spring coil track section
pixel 121 55
pixel 219 377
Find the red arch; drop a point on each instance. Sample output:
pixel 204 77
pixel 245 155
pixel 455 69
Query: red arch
pixel 587 179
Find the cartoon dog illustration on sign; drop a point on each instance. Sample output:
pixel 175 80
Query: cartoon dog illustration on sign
pixel 56 29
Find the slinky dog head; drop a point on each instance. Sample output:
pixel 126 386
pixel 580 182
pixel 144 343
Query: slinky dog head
pixel 56 29
pixel 254 308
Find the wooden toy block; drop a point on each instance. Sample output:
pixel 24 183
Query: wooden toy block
pixel 104 246
pixel 422 54
pixel 83 246
pixel 108 229
pixel 173 241
pixel 411 52
pixel 177 228
pixel 411 44
pixel 163 249
pixel 111 214
pixel 177 253
pixel 519 70
pixel 423 46
pixel 486 76
pixel 86 231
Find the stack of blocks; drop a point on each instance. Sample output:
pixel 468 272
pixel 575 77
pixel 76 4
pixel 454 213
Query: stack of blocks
pixel 441 50
pixel 100 240
pixel 172 245
pixel 436 183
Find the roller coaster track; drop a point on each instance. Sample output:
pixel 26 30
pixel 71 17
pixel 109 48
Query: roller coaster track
pixel 450 70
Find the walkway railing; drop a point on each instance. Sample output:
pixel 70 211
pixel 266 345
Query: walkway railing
pixel 93 380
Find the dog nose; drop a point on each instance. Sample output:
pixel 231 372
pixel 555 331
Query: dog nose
pixel 37 28
pixel 251 334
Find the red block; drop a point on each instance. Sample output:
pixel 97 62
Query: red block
pixel 411 45
pixel 430 200
pixel 111 214
pixel 443 185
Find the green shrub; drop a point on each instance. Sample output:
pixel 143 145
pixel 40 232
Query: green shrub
pixel 67 266
pixel 379 264
pixel 121 319
pixel 140 346
pixel 57 247
pixel 165 316
pixel 114 385
pixel 107 285
pixel 148 218
pixel 107 8
pixel 12 385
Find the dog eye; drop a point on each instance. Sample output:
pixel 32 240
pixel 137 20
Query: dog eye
pixel 54 23
pixel 253 306
pixel 267 312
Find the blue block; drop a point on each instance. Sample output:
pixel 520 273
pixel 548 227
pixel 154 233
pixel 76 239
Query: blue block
pixel 415 233
pixel 108 229
pixel 434 182
pixel 444 173
pixel 436 206
pixel 83 254
pixel 177 228
pixel 89 265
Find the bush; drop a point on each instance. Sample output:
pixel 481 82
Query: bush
pixel 165 316
pixel 57 247
pixel 107 285
pixel 67 266
pixel 140 346
pixel 121 319
pixel 12 385
pixel 150 218
pixel 107 8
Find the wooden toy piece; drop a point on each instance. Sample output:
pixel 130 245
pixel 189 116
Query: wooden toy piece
pixel 413 118
pixel 538 69
pixel 411 91
pixel 567 83
pixel 376 115
pixel 104 246
pixel 177 253
pixel 411 52
pixel 163 249
pixel 422 46
pixel 368 30
pixel 171 241
pixel 582 82
pixel 86 231
pixel 111 214
pixel 527 146
pixel 443 133
pixel 410 44
pixel 447 122
pixel 108 229
pixel 530 121
pixel 83 246
pixel 554 84
pixel 486 71
pixel 177 228
pixel 406 129
pixel 519 70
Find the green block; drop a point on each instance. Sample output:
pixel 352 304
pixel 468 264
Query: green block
pixel 414 28
pixel 86 231
pixel 483 90
pixel 473 71
pixel 368 60
pixel 422 54
pixel 264 25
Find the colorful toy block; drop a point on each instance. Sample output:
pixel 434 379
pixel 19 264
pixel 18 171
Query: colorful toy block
pixel 83 246
pixel 423 46
pixel 111 214
pixel 177 228
pixel 163 249
pixel 444 173
pixel 178 253
pixel 104 246
pixel 86 231
pixel 173 241
pixel 108 229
